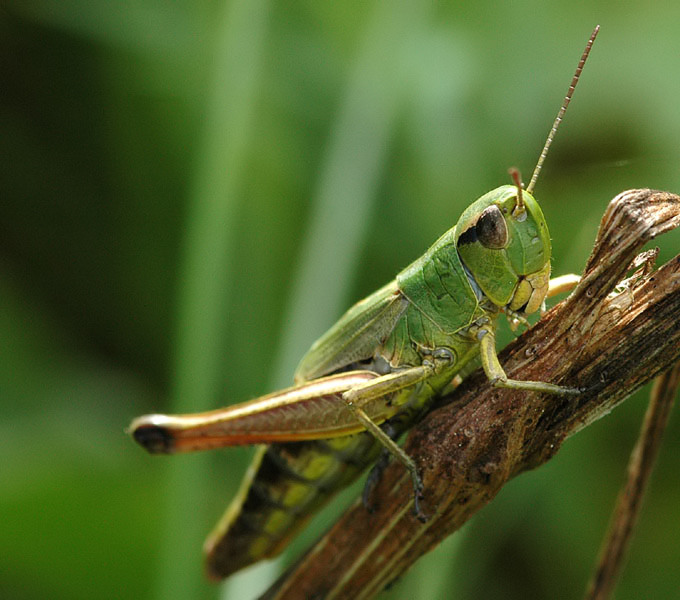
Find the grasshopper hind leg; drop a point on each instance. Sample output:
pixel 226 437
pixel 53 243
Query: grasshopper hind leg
pixel 284 487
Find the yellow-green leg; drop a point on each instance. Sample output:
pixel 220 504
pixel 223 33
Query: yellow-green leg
pixel 563 283
pixel 494 371
pixel 383 387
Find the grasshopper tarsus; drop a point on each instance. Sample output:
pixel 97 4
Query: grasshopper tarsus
pixel 418 511
pixel 418 495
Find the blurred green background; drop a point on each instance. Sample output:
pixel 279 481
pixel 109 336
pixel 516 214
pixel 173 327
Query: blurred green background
pixel 193 191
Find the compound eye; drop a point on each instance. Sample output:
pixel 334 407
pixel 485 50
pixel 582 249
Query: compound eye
pixel 492 232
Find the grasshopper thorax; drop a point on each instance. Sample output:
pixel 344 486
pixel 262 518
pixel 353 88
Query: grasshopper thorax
pixel 506 251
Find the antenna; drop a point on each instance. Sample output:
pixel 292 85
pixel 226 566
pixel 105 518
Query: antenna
pixel 563 109
pixel 517 180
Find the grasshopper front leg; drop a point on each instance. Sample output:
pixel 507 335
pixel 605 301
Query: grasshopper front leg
pixel 494 371
pixel 563 283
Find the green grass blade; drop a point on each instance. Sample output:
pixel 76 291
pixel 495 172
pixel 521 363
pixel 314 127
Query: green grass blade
pixel 204 278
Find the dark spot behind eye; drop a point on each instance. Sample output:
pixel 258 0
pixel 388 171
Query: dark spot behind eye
pixel 469 236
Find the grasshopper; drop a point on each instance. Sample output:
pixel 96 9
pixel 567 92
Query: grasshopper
pixel 376 372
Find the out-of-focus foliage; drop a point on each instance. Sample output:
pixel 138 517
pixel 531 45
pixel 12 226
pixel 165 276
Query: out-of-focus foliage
pixel 193 190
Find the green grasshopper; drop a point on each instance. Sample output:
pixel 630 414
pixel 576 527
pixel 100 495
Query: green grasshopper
pixel 376 372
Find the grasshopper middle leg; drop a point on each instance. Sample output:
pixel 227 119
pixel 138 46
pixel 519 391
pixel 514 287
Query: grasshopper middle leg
pixel 383 386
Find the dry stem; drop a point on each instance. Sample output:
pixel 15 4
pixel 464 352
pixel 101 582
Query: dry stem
pixel 629 502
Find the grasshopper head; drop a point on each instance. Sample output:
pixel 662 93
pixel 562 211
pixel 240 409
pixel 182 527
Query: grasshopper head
pixel 505 245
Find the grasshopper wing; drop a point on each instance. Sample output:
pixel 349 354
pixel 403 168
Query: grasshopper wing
pixel 309 411
pixel 356 335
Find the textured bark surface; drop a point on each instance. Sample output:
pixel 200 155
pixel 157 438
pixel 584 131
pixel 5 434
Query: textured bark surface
pixel 610 337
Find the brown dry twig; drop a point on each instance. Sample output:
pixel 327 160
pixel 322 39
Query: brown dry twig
pixel 610 337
